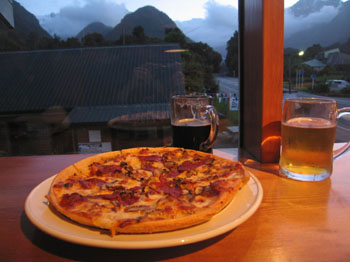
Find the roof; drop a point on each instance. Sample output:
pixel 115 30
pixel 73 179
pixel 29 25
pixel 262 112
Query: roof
pixel 88 77
pixel 119 113
pixel 315 63
pixel 338 59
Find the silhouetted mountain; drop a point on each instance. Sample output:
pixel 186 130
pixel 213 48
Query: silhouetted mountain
pixel 151 19
pixel 337 30
pixel 306 7
pixel 26 23
pixel 27 31
pixel 95 27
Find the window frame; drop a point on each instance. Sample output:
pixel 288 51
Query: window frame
pixel 261 48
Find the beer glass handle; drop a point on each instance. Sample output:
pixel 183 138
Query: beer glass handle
pixel 345 111
pixel 214 126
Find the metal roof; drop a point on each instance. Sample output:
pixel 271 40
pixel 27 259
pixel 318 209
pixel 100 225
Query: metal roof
pixel 118 113
pixel 89 77
pixel 315 63
pixel 338 59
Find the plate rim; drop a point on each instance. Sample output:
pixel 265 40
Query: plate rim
pixel 149 244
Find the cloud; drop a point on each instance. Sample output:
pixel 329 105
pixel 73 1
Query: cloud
pixel 70 20
pixel 294 24
pixel 216 28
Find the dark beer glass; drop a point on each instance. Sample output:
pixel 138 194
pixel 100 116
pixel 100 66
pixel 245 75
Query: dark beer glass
pixel 194 122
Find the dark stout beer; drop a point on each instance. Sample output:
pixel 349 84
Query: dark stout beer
pixel 190 133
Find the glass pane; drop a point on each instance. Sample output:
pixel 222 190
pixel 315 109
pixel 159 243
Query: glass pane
pixel 93 76
pixel 317 53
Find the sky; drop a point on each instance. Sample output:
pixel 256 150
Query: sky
pixel 209 21
pixel 180 10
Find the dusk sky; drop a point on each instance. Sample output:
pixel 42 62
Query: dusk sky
pixel 209 21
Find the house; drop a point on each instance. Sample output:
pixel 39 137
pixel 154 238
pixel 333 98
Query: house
pixel 327 53
pixel 315 64
pixel 339 60
pixel 63 101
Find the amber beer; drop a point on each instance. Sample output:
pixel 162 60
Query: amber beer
pixel 307 148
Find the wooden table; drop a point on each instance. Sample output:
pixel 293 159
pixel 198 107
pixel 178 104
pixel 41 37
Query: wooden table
pixel 297 221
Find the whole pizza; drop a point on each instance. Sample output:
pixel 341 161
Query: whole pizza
pixel 146 190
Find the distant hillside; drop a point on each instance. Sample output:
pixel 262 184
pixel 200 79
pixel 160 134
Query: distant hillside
pixel 95 27
pixel 151 19
pixel 306 7
pixel 338 30
pixel 26 23
pixel 27 30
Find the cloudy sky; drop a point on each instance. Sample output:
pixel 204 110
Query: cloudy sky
pixel 211 21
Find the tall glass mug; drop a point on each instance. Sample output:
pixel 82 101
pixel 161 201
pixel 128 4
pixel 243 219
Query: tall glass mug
pixel 308 135
pixel 194 122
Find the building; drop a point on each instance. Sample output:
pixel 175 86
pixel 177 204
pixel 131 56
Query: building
pixel 86 99
pixel 315 64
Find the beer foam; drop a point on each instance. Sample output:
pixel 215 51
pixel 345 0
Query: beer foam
pixel 191 122
pixel 309 122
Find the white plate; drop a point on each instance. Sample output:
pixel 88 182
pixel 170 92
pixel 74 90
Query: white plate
pixel 239 210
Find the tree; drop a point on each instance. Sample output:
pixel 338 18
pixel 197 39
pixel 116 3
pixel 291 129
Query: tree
pixel 139 35
pixel 231 60
pixel 73 42
pixel 93 39
pixel 312 52
pixel 175 35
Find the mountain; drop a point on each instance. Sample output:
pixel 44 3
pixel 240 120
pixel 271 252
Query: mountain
pixel 26 23
pixel 27 31
pixel 337 30
pixel 151 19
pixel 95 27
pixel 304 8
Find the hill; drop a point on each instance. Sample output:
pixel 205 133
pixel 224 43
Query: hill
pixel 337 30
pixel 307 7
pixel 151 19
pixel 95 27
pixel 27 30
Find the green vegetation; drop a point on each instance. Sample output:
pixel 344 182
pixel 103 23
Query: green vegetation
pixel 293 63
pixel 231 60
pixel 223 108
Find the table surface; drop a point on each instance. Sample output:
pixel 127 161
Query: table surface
pixel 296 221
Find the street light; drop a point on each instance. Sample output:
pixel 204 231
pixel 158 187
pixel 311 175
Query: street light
pixel 300 53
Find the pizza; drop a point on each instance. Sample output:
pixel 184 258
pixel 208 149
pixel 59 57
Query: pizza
pixel 146 190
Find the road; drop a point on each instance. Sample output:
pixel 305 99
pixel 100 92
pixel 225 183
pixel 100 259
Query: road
pixel 343 127
pixel 230 85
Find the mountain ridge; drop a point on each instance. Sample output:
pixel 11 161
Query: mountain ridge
pixel 324 34
pixel 151 19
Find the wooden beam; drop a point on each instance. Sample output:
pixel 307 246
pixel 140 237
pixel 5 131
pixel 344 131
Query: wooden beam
pixel 261 33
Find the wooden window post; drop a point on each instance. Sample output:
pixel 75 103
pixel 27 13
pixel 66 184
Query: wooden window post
pixel 261 27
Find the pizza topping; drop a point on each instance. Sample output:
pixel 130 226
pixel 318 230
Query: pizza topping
pixel 168 187
pixel 99 169
pixel 137 208
pixel 188 165
pixel 153 158
pixel 89 183
pixel 125 198
pixel 173 173
pixel 71 200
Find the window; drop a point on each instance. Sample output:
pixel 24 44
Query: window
pixel 316 56
pixel 103 82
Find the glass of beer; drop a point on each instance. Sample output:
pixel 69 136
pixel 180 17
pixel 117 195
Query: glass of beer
pixel 194 122
pixel 308 135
